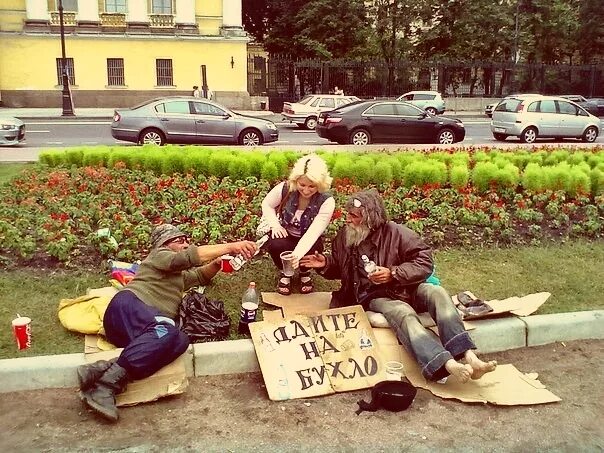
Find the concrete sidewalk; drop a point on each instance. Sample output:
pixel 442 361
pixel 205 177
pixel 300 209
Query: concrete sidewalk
pixel 239 356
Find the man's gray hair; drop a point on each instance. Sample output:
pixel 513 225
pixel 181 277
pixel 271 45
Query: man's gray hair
pixel 371 205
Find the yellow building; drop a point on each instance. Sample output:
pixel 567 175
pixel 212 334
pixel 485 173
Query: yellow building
pixel 121 52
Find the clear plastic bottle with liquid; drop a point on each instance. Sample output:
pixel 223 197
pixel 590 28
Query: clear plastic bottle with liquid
pixel 249 308
pixel 238 261
pixel 369 265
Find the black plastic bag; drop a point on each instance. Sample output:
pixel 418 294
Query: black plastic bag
pixel 203 319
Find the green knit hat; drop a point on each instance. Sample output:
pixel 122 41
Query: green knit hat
pixel 164 233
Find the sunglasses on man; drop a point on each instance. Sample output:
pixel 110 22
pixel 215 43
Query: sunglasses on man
pixel 179 240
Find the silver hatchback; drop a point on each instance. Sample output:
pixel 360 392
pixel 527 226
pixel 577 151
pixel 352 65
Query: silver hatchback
pixel 187 119
pixel 532 117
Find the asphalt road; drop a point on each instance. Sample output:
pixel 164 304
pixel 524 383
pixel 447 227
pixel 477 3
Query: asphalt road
pixel 44 134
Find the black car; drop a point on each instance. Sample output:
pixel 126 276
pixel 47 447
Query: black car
pixel 365 122
pixel 588 104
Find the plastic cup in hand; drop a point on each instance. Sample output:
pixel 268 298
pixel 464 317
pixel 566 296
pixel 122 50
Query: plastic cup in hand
pixel 287 259
pixel 225 264
pixel 22 332
pixel 394 371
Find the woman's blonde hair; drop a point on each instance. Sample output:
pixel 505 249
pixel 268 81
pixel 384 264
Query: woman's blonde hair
pixel 314 168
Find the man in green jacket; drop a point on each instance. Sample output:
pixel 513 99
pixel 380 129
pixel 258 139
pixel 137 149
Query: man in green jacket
pixel 141 317
pixel 397 288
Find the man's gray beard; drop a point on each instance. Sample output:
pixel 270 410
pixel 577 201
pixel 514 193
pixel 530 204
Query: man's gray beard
pixel 356 234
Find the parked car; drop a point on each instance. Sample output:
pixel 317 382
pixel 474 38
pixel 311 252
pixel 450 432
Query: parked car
pixel 365 122
pixel 587 104
pixel 533 117
pixel 488 110
pixel 306 111
pixel 12 130
pixel 431 101
pixel 187 119
pixel 599 102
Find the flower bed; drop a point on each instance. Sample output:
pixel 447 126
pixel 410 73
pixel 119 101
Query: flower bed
pixel 53 214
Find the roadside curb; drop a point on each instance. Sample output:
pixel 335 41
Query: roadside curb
pixel 239 356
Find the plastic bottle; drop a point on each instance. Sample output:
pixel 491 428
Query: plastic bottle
pixel 249 308
pixel 238 261
pixel 369 266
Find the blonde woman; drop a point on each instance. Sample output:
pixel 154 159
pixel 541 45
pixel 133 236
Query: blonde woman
pixel 298 212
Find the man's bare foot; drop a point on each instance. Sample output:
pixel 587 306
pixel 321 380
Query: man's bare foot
pixel 480 367
pixel 462 371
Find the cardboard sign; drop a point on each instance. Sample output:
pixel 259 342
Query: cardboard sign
pixel 317 354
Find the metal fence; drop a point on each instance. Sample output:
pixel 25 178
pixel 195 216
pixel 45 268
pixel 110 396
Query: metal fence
pixel 286 79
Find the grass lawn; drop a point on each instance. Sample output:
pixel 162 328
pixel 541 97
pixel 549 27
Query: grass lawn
pixel 569 271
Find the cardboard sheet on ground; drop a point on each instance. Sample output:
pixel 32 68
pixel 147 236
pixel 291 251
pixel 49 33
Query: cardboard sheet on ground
pixel 309 355
pixel 506 386
pixel 170 380
pixel 519 306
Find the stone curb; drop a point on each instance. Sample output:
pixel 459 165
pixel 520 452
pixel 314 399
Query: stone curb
pixel 238 356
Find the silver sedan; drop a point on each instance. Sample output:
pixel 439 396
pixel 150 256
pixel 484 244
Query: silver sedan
pixel 12 130
pixel 187 120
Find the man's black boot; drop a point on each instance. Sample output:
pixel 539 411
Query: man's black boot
pixel 89 374
pixel 101 397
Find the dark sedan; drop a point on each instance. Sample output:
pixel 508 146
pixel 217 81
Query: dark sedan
pixel 365 122
pixel 187 119
pixel 588 104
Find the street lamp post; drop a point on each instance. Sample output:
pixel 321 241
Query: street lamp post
pixel 67 101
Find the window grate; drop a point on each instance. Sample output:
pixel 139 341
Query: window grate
pixel 70 71
pixel 115 72
pixel 163 68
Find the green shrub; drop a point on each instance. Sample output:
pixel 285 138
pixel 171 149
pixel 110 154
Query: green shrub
pixel 484 174
pixel 218 164
pixel 597 181
pixel 173 162
pixel 342 168
pixel 270 172
pixel 239 168
pixel 96 157
pixel 533 177
pixel 425 172
pixel 459 176
pixel 558 177
pixel 73 156
pixel 363 171
pixel 508 176
pixel 580 183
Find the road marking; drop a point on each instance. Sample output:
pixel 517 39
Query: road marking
pixel 310 141
pixel 90 143
pixel 70 123
pixel 29 131
pixel 54 143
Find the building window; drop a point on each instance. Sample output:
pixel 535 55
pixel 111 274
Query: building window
pixel 161 6
pixel 163 68
pixel 68 5
pixel 115 6
pixel 70 71
pixel 115 72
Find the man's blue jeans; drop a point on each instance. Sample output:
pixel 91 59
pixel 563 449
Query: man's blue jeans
pixel 430 351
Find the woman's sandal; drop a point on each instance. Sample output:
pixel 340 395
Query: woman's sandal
pixel 306 285
pixel 284 288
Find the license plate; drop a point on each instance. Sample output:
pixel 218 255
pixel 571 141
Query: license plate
pixel 499 130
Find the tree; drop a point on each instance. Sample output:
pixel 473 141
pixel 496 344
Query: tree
pixel 590 33
pixel 255 18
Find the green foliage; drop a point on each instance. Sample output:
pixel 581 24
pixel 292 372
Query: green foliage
pixel 269 172
pixel 534 177
pixel 459 177
pixel 484 174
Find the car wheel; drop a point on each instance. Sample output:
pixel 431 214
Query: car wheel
pixel 500 137
pixel 431 110
pixel 310 123
pixel 590 134
pixel 360 137
pixel 445 137
pixel 151 137
pixel 529 135
pixel 250 137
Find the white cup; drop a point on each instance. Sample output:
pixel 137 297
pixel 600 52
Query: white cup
pixel 394 371
pixel 287 259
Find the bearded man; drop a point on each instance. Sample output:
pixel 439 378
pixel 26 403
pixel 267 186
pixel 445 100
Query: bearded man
pixel 398 288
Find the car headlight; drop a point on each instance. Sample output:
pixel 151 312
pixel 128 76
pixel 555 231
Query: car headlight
pixel 8 127
pixel 271 126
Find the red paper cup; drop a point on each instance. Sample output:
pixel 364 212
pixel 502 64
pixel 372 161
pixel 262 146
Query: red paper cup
pixel 225 264
pixel 22 332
